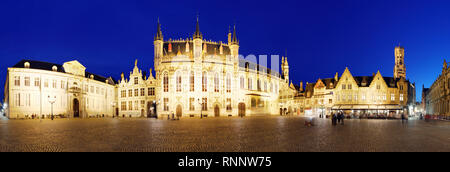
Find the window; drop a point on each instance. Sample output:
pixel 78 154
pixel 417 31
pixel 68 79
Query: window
pixel 136 80
pixel 204 82
pixel 265 86
pixel 97 90
pixel 330 101
pixel 349 86
pixel 17 81
pixel 136 92
pixel 27 81
pixel 401 87
pixel 192 81
pixel 392 97
pixel 178 83
pixel 191 104
pixel 123 106
pixel 363 97
pixel 54 84
pixel 384 97
pixel 258 85
pixel 166 82
pixel 378 86
pixel 63 85
pixel 151 91
pixel 253 102
pixel 242 83
pixel 204 104
pixel 142 91
pixel 249 83
pixel 216 83
pixel 130 93
pixel 166 104
pixel 92 89
pixel 136 105
pixel 271 87
pixel 130 105
pixel 229 104
pixel 37 82
pixel 123 93
pixel 401 97
pixel 343 87
pixel 228 84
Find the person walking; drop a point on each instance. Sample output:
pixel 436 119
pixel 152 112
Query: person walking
pixel 333 119
pixel 342 118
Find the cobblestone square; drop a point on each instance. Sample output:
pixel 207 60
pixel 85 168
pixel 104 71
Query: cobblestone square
pixel 250 134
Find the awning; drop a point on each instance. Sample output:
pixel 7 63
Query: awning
pixel 367 107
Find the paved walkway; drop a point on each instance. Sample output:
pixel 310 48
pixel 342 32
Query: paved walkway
pixel 260 134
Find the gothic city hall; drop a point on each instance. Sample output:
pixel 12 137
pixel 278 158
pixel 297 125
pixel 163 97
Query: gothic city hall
pixel 195 77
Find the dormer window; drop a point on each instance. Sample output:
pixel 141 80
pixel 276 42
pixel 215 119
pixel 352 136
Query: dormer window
pixel 136 80
pixel 26 64
pixel 54 68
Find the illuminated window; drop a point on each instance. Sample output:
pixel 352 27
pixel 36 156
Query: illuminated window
pixel 343 87
pixel 191 104
pixel 378 86
pixel 151 91
pixel 63 85
pixel 204 104
pixel 27 81
pixel 136 92
pixel 204 82
pixel 54 84
pixel 136 80
pixel 192 81
pixel 265 86
pixel 258 85
pixel 216 83
pixel 166 82
pixel 229 104
pixel 166 104
pixel 123 106
pixel 37 82
pixel 228 84
pixel 250 84
pixel 242 83
pixel 401 97
pixel 130 105
pixel 178 83
pixel 142 91
pixel 349 86
pixel 124 93
pixel 130 93
pixel 392 97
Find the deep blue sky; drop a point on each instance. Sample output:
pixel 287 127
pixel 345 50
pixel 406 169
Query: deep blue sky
pixel 321 37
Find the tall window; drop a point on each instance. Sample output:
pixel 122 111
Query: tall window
pixel 37 82
pixel 228 84
pixel 124 93
pixel 63 85
pixel 166 104
pixel 349 86
pixel 46 83
pixel 136 80
pixel 249 83
pixel 130 93
pixel 54 84
pixel 166 82
pixel 265 86
pixel 204 82
pixel 216 83
pixel 258 85
pixel 378 86
pixel 191 104
pixel 192 81
pixel 142 91
pixel 27 81
pixel 151 91
pixel 136 92
pixel 343 86
pixel 130 105
pixel 123 106
pixel 401 97
pixel 178 83
pixel 392 97
pixel 242 83
pixel 17 81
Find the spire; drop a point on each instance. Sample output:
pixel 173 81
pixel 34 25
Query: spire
pixel 197 33
pixel 234 39
pixel 158 35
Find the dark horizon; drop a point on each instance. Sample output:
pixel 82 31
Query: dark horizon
pixel 321 37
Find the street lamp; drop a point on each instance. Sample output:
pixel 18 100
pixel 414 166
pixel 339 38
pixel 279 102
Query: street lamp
pixel 113 104
pixel 201 109
pixel 52 100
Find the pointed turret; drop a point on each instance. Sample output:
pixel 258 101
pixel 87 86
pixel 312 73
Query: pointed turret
pixel 197 34
pixel 234 40
pixel 159 35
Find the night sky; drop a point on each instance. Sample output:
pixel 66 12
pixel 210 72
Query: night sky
pixel 321 37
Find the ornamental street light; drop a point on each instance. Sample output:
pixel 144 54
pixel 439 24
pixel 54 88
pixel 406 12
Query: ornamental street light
pixel 52 100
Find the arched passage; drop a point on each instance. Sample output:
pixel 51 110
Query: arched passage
pixel 76 108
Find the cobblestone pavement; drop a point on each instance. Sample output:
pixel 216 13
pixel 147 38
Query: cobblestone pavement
pixel 251 134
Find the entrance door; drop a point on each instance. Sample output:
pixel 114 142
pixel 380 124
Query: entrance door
pixel 76 108
pixel 216 111
pixel 179 111
pixel 241 108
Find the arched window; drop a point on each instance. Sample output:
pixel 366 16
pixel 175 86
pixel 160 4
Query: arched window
pixel 228 84
pixel 216 83
pixel 178 82
pixel 192 87
pixel 204 82
pixel 258 85
pixel 253 102
pixel 247 66
pixel 166 82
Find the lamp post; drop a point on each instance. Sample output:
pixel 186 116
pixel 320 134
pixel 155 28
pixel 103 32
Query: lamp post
pixel 113 104
pixel 201 109
pixel 52 100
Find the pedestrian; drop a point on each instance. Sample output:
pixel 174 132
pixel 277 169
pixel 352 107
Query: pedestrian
pixel 339 117
pixel 333 119
pixel 342 118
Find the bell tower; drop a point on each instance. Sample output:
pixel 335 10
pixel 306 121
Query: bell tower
pixel 198 41
pixel 400 67
pixel 158 45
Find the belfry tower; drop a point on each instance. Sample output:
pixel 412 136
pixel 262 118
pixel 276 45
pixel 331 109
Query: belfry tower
pixel 400 67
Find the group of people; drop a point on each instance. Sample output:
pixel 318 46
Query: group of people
pixel 338 118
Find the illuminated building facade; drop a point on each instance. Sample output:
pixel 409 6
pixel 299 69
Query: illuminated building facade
pixel 436 99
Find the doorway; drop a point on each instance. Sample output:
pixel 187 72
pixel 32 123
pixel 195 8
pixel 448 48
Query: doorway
pixel 76 108
pixel 179 111
pixel 241 108
pixel 217 111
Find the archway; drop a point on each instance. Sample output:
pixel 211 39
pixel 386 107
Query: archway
pixel 241 108
pixel 142 113
pixel 76 108
pixel 179 111
pixel 216 111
